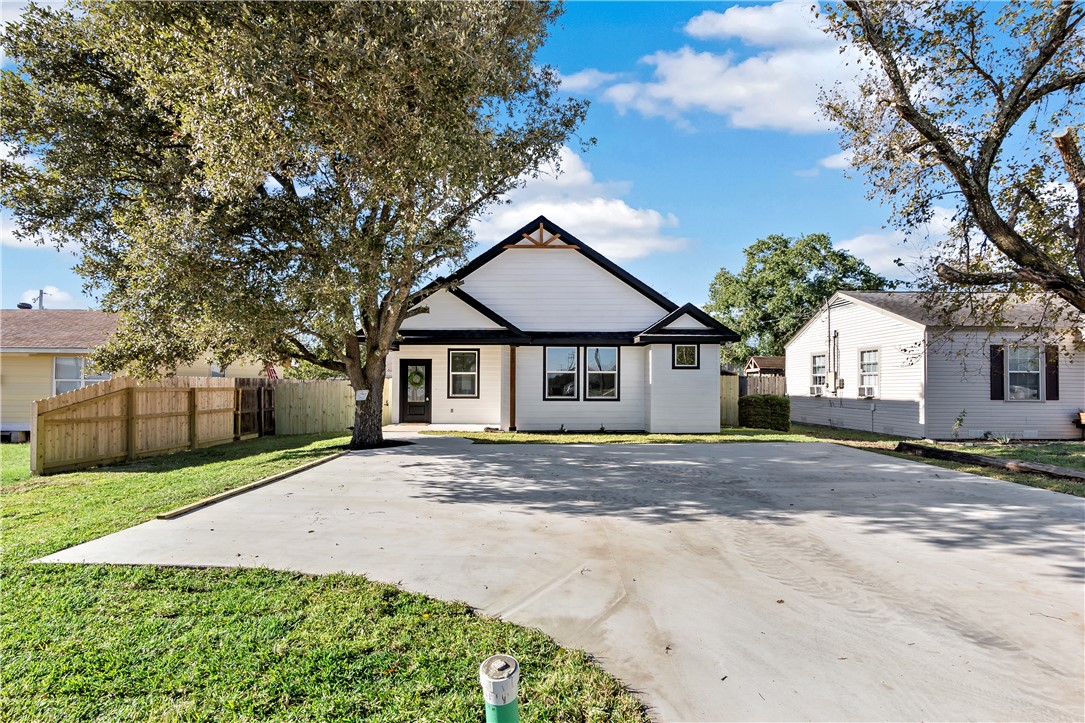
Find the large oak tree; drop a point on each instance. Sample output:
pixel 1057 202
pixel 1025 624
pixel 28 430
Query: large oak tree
pixel 781 285
pixel 272 178
pixel 976 107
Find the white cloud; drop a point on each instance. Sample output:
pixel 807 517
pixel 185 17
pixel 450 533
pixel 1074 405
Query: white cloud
pixel 880 249
pixel 774 89
pixel 838 161
pixel 771 26
pixel 590 209
pixel 584 80
pixel 8 237
pixel 54 298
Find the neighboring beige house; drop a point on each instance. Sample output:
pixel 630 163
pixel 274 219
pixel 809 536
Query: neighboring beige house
pixel 882 362
pixel 43 352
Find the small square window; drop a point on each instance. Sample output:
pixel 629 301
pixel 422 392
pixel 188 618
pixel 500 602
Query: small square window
pixel 686 356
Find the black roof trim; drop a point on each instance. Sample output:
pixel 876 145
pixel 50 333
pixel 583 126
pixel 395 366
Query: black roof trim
pixel 714 325
pixel 608 265
pixel 685 338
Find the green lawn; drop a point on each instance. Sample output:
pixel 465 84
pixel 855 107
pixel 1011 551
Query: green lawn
pixel 1060 454
pixel 101 642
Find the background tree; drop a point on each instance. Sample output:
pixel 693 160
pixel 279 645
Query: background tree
pixel 977 107
pixel 270 178
pixel 780 287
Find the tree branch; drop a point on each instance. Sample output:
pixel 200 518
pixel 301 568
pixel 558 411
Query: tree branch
pixel 953 275
pixel 1066 142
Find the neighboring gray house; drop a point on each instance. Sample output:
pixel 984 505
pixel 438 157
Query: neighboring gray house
pixel 882 362
pixel 542 332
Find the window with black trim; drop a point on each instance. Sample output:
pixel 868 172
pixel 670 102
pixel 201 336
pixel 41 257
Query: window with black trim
pixel 560 372
pixel 601 370
pixel 686 356
pixel 463 373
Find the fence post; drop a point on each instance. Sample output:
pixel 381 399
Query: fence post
pixel 500 679
pixel 192 417
pixel 130 452
pixel 37 443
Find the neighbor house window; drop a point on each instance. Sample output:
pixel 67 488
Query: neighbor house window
pixel 71 373
pixel 601 365
pixel 463 373
pixel 686 356
pixel 560 364
pixel 868 368
pixel 1023 372
pixel 817 370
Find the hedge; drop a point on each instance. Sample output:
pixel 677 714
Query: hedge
pixel 765 411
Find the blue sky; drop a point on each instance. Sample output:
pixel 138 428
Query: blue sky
pixel 708 139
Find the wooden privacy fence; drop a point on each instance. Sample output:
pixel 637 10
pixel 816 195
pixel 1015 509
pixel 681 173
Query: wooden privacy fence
pixel 125 419
pixel 728 400
pixel 766 385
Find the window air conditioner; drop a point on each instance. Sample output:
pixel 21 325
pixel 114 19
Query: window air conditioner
pixel 817 391
pixel 866 392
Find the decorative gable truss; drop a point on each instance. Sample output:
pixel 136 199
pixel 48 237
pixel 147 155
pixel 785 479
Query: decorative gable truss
pixel 456 314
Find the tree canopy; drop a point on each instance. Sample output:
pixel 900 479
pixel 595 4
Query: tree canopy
pixel 781 285
pixel 272 178
pixel 976 108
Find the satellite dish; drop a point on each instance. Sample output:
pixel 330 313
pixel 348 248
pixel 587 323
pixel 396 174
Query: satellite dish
pixel 24 305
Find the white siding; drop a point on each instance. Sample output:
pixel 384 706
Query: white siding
pixel 684 400
pixel 559 290
pixel 535 413
pixel 959 379
pixel 448 312
pixel 685 321
pixel 899 405
pixel 484 410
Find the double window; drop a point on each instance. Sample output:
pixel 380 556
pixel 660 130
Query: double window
pixel 463 373
pixel 1023 370
pixel 868 370
pixel 818 369
pixel 561 372
pixel 72 372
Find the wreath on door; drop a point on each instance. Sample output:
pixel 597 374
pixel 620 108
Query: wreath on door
pixel 416 379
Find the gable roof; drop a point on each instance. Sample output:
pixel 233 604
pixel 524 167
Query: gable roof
pixel 567 239
pixel 713 331
pixel 67 329
pixel 915 306
pixel 765 363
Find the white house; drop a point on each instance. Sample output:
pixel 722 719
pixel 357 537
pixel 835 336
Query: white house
pixel 882 362
pixel 541 332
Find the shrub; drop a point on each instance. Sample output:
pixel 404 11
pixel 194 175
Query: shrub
pixel 765 411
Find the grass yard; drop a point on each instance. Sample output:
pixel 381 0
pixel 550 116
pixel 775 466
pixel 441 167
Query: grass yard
pixel 99 642
pixel 1061 454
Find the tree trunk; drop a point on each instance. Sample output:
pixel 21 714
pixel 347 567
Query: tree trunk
pixel 368 413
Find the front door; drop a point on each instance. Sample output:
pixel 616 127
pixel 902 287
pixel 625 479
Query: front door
pixel 414 394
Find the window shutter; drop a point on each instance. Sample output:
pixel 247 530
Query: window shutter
pixel 1051 371
pixel 998 372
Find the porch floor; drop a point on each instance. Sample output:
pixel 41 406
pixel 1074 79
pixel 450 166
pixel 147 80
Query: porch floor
pixel 419 426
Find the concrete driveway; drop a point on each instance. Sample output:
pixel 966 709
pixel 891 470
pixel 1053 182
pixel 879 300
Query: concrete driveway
pixel 722 582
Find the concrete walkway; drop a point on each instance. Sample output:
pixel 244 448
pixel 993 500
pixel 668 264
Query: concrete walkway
pixel 722 582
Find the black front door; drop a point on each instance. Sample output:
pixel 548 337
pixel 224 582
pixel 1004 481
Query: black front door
pixel 414 390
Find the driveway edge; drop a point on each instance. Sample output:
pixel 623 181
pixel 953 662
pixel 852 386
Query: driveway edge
pixel 207 501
